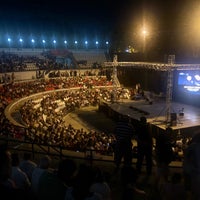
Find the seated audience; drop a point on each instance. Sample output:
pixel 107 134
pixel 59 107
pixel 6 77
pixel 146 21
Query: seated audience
pixel 8 188
pixel 173 189
pixel 27 165
pixel 44 165
pixel 130 190
pixel 18 176
pixel 53 185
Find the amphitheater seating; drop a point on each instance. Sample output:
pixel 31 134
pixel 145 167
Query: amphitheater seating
pixel 31 66
pixel 91 56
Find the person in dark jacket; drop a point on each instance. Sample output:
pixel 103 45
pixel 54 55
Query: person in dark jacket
pixel 144 146
pixel 163 155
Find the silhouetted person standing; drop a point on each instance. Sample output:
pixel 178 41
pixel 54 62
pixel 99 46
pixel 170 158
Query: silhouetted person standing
pixel 163 154
pixel 123 132
pixel 144 146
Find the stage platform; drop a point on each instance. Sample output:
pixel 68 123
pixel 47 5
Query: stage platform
pixel 187 116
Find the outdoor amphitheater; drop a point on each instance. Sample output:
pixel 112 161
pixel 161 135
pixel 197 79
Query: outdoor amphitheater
pixel 65 103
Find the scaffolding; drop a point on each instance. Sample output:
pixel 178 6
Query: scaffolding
pixel 168 117
pixel 168 106
pixel 169 96
pixel 116 83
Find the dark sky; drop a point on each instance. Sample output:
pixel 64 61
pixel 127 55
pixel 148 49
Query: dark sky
pixel 79 15
pixel 97 17
pixel 59 16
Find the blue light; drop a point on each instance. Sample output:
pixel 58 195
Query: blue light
pixel 42 41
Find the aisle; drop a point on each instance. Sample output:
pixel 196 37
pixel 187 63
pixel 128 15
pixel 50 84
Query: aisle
pixel 89 118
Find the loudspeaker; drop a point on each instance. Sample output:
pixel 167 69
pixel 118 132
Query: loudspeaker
pixel 181 114
pixel 173 120
pixel 173 116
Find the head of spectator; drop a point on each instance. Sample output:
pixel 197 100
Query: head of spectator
pixel 66 170
pixel 143 120
pixel 27 165
pixel 45 162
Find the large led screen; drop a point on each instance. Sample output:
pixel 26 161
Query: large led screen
pixel 189 81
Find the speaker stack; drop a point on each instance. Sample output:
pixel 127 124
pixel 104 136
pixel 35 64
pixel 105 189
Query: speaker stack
pixel 173 119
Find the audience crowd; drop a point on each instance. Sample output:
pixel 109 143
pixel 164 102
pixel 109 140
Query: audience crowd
pixel 44 116
pixel 43 119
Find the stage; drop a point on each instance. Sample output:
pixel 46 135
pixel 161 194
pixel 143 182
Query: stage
pixel 187 117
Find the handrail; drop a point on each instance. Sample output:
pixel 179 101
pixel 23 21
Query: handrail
pixel 89 155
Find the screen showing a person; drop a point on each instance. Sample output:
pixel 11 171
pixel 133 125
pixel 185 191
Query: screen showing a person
pixel 189 81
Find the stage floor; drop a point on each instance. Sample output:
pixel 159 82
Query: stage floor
pixel 156 113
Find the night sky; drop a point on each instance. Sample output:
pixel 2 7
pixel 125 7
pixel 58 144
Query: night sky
pixel 85 15
pixel 169 22
pixel 61 16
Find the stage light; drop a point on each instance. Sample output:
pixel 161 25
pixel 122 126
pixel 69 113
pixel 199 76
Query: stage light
pixel 86 44
pixel 21 42
pixel 144 36
pixel 44 42
pixel 76 43
pixel 144 32
pixel 97 44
